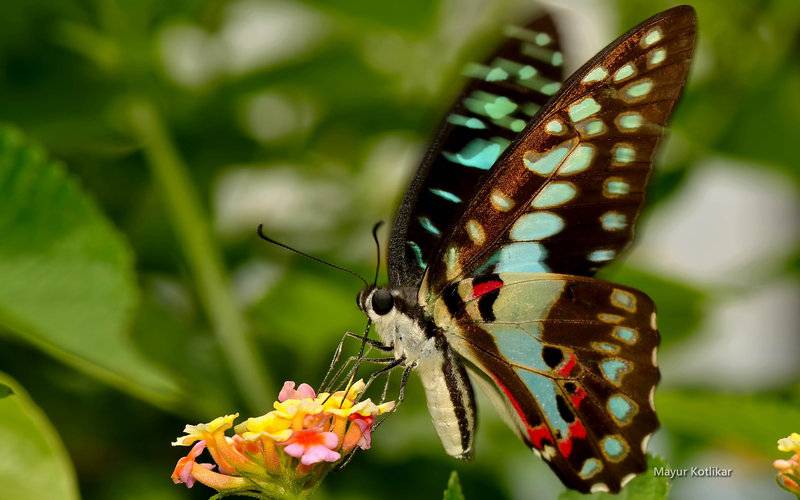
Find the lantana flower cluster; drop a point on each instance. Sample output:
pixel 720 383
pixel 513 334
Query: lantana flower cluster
pixel 788 476
pixel 284 453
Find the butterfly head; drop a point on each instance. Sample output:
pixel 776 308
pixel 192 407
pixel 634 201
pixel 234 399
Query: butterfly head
pixel 376 301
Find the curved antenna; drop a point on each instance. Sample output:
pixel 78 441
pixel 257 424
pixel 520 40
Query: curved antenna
pixel 378 249
pixel 317 259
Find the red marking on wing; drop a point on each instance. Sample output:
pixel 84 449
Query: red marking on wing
pixel 567 369
pixel 486 287
pixel 577 397
pixel 535 434
pixel 576 431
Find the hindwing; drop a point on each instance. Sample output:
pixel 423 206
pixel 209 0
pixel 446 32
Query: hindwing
pixel 564 197
pixel 572 361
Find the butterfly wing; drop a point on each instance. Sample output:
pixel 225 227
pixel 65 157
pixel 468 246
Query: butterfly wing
pixel 571 359
pixel 498 101
pixel 564 197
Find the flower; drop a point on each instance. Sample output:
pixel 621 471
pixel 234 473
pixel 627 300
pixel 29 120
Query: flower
pixel 285 452
pixel 788 476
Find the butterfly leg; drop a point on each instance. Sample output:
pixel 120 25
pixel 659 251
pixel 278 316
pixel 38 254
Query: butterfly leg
pixel 338 352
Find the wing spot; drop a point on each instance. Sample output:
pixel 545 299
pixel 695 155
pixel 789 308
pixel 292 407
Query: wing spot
pixel 652 37
pixel 417 254
pixel 653 323
pixel 452 265
pixel 654 356
pixel 614 369
pixel 552 356
pixel 613 221
pixel 590 468
pixel 598 74
pixel 614 447
pixel 554 194
pixel 645 440
pixel 624 72
pixel 605 347
pixel 637 90
pixel 625 334
pixel 546 163
pixel 429 226
pixel 534 226
pixel 623 154
pixel 554 127
pixel 548 452
pixel 627 479
pixel 622 409
pixel 623 299
pixel 500 201
pixel 614 187
pixel 599 488
pixel 629 121
pixel 445 195
pixel 578 160
pixel 601 255
pixel 610 318
pixel 476 232
pixel 656 57
pixel 652 398
pixel 583 109
pixel 592 128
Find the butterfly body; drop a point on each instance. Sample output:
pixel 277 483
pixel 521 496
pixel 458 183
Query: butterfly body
pixel 521 199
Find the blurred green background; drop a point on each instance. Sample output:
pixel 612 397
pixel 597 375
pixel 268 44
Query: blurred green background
pixel 147 139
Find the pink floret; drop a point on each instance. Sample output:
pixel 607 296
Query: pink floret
pixel 289 392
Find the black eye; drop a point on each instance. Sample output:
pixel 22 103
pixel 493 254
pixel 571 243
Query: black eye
pixel 382 301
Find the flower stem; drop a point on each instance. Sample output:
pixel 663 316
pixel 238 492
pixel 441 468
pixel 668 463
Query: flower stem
pixel 194 234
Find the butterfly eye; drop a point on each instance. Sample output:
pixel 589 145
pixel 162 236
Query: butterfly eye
pixel 382 302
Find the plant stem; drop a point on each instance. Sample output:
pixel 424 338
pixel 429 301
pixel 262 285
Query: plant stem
pixel 194 233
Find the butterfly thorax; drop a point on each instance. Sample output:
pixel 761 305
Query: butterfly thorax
pixel 400 323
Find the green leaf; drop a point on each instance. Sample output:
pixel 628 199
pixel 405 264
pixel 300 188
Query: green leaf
pixel 66 275
pixel 5 391
pixel 734 421
pixel 35 463
pixel 453 491
pixel 645 486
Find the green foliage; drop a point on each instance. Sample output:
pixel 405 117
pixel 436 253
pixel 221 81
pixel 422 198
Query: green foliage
pixel 66 276
pixel 453 491
pixel 645 486
pixel 35 464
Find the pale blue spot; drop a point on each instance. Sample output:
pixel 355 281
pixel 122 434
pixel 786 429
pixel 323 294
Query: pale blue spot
pixel 613 221
pixel 478 153
pixel 613 447
pixel 519 346
pixel 531 108
pixel 557 59
pixel 496 75
pixel 545 391
pixel 652 37
pixel 554 194
pixel 624 154
pixel 428 226
pixel 547 163
pixel 542 39
pixel 657 56
pixel 518 125
pixel 616 187
pixel 623 299
pixel 598 74
pixel 526 257
pixel 624 72
pixel 591 466
pixel 630 121
pixel 601 255
pixel 526 72
pixel 536 226
pixel 625 334
pixel 620 407
pixel 583 109
pixel 605 347
pixel 451 259
pixel 469 122
pixel 550 88
pixel 554 127
pixel 613 369
pixel 639 89
pixel 594 127
pixel 500 107
pixel 447 195
pixel 418 254
pixel 578 161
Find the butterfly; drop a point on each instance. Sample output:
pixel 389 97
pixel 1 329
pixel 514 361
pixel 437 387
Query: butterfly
pixel 530 187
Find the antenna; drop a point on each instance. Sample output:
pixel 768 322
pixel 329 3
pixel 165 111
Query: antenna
pixel 309 256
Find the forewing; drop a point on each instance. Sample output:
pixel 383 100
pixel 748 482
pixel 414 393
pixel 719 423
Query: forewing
pixel 572 360
pixel 565 196
pixel 501 96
